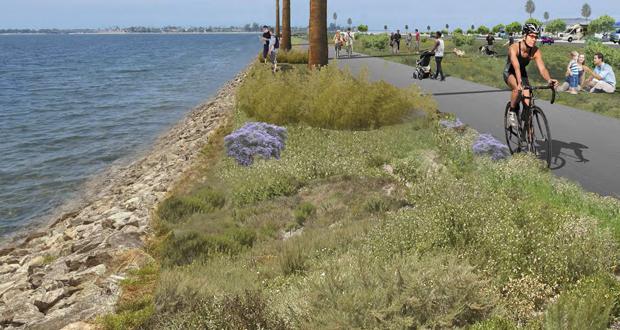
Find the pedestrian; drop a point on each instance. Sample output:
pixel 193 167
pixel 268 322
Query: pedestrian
pixel 490 40
pixel 397 37
pixel 511 40
pixel 409 40
pixel 265 39
pixel 417 40
pixel 274 47
pixel 439 52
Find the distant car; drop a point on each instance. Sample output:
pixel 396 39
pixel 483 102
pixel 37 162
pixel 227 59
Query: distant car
pixel 546 40
pixel 613 37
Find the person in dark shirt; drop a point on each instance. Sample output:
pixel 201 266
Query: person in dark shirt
pixel 490 41
pixel 265 38
pixel 397 38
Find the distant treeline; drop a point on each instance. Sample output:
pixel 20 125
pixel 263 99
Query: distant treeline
pixel 253 27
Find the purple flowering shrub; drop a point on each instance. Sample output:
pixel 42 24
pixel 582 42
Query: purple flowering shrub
pixel 455 124
pixel 486 144
pixel 255 139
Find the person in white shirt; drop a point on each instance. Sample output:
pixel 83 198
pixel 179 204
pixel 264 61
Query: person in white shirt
pixel 274 46
pixel 349 37
pixel 439 50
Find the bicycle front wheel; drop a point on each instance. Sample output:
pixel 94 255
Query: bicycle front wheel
pixel 513 134
pixel 539 135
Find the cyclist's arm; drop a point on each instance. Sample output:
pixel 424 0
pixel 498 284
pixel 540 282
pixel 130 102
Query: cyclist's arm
pixel 541 67
pixel 515 62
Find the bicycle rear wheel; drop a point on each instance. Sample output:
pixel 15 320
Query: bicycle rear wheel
pixel 513 135
pixel 539 135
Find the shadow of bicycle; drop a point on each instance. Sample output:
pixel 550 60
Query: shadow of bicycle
pixel 561 151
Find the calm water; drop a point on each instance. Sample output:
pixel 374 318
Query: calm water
pixel 71 105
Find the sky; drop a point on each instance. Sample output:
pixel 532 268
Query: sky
pixel 38 14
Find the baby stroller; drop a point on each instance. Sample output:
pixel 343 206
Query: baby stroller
pixel 423 66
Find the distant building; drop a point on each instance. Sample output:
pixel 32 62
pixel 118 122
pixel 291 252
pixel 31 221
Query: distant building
pixel 574 21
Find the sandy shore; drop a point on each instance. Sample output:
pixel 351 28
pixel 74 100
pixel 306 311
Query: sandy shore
pixel 70 270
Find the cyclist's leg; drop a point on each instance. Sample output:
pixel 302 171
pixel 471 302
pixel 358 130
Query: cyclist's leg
pixel 526 93
pixel 511 81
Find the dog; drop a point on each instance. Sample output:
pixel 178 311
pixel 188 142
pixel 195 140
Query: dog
pixel 459 52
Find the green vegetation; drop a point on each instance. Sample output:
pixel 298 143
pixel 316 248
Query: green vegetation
pixel 395 227
pixel 136 304
pixel 488 70
pixel 293 56
pixel 327 98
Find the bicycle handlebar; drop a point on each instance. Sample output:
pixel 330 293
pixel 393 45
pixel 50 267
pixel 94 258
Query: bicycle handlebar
pixel 533 88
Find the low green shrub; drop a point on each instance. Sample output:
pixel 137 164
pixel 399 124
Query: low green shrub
pixel 611 54
pixel 249 310
pixel 591 304
pixel 404 292
pixel 176 209
pixel 461 40
pixel 327 98
pixel 379 41
pixel 293 56
pixel 293 260
pixel 183 248
pixel 303 212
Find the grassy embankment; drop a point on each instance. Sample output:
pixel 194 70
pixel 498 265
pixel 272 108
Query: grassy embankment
pixel 374 217
pixel 488 70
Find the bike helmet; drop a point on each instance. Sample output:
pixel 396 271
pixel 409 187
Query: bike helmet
pixel 531 28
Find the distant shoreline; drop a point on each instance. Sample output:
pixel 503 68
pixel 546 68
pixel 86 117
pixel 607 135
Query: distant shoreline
pixel 126 33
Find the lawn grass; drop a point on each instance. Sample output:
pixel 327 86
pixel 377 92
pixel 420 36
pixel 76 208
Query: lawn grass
pixel 488 70
pixel 395 227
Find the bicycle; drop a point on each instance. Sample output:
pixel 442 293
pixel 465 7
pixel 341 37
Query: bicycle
pixel 533 134
pixel 349 50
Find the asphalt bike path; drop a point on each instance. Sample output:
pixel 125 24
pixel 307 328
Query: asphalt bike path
pixel 585 146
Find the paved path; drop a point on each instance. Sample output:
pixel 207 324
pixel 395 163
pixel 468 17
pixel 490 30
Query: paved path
pixel 586 146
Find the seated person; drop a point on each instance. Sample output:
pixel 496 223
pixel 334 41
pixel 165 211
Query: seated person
pixel 603 78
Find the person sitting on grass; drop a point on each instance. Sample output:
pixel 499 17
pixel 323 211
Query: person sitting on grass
pixel 602 79
pixel 581 61
pixel 580 78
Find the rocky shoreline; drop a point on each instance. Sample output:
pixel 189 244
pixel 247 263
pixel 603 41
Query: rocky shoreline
pixel 71 270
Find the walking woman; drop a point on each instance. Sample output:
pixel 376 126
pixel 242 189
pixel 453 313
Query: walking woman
pixel 438 49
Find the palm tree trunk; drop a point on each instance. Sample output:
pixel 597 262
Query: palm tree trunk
pixel 318 33
pixel 286 25
pixel 277 18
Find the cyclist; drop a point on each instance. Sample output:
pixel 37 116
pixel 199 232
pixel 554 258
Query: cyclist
pixel 349 37
pixel 515 75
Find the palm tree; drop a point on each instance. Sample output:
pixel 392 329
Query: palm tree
pixel 349 21
pixel 385 28
pixel 473 27
pixel 317 53
pixel 406 27
pixel 530 7
pixel 447 26
pixel 277 17
pixel 428 27
pixel 586 11
pixel 546 16
pixel 335 16
pixel 286 24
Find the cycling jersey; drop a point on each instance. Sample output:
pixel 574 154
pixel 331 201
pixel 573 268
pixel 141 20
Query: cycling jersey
pixel 523 62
